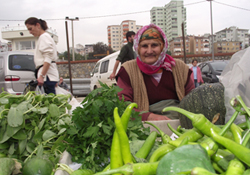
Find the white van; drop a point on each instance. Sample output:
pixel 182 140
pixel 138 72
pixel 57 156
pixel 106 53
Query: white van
pixel 102 70
pixel 16 70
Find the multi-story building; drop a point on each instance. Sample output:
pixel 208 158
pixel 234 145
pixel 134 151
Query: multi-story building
pixel 117 33
pixel 201 44
pixel 88 48
pixel 232 34
pixel 170 18
pixel 227 46
pixel 79 49
pixel 193 45
pixel 5 46
pixel 21 39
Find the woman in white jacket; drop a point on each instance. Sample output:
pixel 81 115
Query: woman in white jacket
pixel 45 55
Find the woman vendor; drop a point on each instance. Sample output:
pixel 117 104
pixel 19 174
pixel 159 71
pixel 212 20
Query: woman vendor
pixel 154 80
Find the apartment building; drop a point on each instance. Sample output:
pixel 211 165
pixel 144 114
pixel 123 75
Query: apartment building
pixel 117 33
pixel 232 34
pixel 227 46
pixel 193 45
pixel 170 18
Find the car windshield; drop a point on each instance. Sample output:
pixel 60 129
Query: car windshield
pixel 219 66
pixel 21 62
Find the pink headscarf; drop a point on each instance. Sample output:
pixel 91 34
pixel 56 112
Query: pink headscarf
pixel 164 61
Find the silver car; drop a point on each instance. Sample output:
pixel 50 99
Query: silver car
pixel 16 71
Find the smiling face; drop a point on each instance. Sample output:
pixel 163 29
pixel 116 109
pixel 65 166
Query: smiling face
pixel 149 50
pixel 34 29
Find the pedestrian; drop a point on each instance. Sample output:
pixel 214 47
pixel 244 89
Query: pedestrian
pixel 154 80
pixel 45 55
pixel 62 84
pixel 196 75
pixel 125 54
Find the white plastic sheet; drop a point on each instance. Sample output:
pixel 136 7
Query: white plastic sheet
pixel 236 80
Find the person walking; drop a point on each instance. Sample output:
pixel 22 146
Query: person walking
pixel 45 55
pixel 126 53
pixel 196 74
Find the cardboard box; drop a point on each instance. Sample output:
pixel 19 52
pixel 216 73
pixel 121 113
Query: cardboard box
pixel 162 124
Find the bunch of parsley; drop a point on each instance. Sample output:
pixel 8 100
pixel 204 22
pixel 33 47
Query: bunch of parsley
pixel 91 142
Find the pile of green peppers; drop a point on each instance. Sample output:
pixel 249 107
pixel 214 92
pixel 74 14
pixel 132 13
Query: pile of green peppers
pixel 206 149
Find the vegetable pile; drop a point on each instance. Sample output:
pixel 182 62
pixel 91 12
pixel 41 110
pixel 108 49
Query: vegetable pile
pixel 39 127
pixel 205 149
pixel 33 125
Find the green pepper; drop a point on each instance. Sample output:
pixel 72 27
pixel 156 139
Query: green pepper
pixel 247 172
pixel 237 133
pixel 123 139
pixel 243 125
pixel 147 146
pixel 115 154
pixel 173 130
pixel 242 104
pixel 235 168
pixel 201 171
pixel 199 121
pixel 164 137
pixel 240 151
pixel 192 135
pixel 160 152
pixel 135 169
pixel 222 158
pixel 217 167
pixel 210 146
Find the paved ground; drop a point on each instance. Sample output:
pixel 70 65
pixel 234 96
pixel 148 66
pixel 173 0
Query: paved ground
pixel 80 99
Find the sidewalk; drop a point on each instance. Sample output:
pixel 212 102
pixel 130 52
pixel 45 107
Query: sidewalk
pixel 80 99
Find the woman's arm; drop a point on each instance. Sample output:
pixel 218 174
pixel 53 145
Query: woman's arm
pixel 43 73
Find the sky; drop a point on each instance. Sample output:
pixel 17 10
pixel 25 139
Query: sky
pixel 95 15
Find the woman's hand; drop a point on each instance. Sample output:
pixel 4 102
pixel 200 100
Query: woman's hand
pixel 153 117
pixel 40 81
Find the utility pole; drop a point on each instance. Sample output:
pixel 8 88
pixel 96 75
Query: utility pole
pixel 70 75
pixel 211 16
pixel 73 49
pixel 183 38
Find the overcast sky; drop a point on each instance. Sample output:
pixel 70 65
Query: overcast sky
pixel 91 29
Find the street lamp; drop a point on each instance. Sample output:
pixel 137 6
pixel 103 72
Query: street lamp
pixel 212 47
pixel 72 19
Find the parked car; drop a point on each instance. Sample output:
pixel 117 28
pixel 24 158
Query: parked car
pixel 102 70
pixel 211 70
pixel 16 71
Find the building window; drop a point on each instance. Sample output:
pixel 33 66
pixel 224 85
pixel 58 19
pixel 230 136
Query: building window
pixel 25 45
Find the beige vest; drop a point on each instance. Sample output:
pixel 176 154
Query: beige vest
pixel 180 73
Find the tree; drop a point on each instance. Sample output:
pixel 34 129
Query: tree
pixel 100 48
pixel 65 55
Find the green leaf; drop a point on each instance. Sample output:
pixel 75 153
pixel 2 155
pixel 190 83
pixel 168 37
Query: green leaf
pixel 22 145
pixel 48 135
pixel 12 149
pixel 39 151
pixel 20 135
pixel 43 110
pixel 54 110
pixel 30 147
pixel 57 143
pixel 91 131
pixel 12 130
pixel 23 106
pixel 62 131
pixel 15 117
pixel 106 129
pixel 4 101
